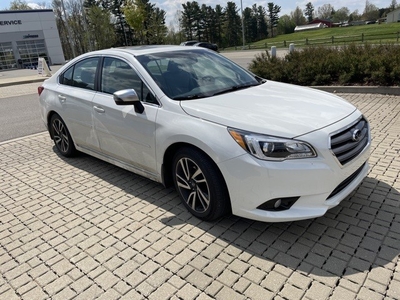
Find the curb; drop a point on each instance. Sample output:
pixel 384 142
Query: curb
pixel 17 82
pixel 23 137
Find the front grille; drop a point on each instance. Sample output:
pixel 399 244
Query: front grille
pixel 345 182
pixel 349 143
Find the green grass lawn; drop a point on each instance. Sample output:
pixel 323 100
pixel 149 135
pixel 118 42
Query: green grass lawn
pixel 374 33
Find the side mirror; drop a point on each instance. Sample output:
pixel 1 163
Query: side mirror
pixel 128 97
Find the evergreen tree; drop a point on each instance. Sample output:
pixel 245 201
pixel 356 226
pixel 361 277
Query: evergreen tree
pixel 157 29
pixel 101 31
pixel 188 19
pixel 250 24
pixel 273 14
pixel 309 12
pixel 232 25
pixel 262 23
pixel 219 21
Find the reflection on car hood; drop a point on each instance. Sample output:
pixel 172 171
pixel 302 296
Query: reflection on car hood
pixel 272 108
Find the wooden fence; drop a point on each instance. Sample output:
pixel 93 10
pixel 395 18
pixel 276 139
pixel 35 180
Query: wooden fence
pixel 333 40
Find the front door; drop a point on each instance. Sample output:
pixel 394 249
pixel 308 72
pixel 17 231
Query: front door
pixel 124 134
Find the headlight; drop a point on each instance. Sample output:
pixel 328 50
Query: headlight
pixel 272 148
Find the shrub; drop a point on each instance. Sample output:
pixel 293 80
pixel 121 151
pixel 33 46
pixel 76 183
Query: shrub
pixel 347 65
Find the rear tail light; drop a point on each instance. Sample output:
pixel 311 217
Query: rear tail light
pixel 40 89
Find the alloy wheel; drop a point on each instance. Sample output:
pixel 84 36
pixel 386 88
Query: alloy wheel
pixel 60 136
pixel 192 185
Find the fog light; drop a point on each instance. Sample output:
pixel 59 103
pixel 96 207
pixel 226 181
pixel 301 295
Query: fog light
pixel 278 204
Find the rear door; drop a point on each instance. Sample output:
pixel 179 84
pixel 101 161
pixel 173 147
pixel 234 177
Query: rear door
pixel 75 94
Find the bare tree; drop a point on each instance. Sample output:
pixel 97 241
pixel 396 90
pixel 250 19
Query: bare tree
pixel 19 5
pixel 325 11
pixel 371 11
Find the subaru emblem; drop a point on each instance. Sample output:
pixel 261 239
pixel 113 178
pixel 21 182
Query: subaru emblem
pixel 356 135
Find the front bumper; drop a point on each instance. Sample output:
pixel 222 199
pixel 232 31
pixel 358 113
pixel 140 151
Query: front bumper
pixel 252 182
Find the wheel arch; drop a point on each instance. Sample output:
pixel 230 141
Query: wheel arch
pixel 49 116
pixel 168 161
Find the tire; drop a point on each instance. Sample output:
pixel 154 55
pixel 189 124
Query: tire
pixel 61 137
pixel 200 185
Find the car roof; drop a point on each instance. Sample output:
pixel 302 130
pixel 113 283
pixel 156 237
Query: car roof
pixel 139 50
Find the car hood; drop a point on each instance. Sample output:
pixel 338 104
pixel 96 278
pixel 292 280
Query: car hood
pixel 272 108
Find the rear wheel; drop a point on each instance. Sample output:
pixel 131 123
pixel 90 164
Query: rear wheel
pixel 61 137
pixel 200 184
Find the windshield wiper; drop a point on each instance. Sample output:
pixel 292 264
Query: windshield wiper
pixel 236 88
pixel 190 97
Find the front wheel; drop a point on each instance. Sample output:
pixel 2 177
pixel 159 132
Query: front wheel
pixel 61 137
pixel 200 184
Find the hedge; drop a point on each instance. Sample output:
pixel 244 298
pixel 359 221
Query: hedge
pixel 346 65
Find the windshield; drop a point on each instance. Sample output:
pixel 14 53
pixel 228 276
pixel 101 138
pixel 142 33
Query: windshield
pixel 185 75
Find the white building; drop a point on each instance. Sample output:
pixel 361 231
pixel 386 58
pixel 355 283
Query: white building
pixel 393 16
pixel 26 35
pixel 310 27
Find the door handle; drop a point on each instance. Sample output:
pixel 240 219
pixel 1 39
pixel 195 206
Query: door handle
pixel 99 109
pixel 62 98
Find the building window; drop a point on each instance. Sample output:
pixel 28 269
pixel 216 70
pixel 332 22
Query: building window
pixel 30 51
pixel 7 59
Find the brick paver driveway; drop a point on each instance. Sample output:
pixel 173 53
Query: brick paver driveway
pixel 82 229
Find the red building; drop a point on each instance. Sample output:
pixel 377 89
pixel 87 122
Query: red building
pixel 328 23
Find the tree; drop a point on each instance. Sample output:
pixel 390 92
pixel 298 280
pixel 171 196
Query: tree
pixel 250 24
pixel 341 15
pixel 157 29
pixel 286 25
pixel 62 29
pixel 298 17
pixel 262 26
pixel 101 31
pixel 309 11
pixel 355 16
pixel 232 25
pixel 123 30
pixel 393 5
pixel 188 19
pixel 19 5
pixel 76 23
pixel 273 14
pixel 219 21
pixel 371 12
pixel 325 11
pixel 147 21
pixel 135 15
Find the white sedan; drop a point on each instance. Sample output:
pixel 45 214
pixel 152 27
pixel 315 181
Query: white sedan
pixel 230 141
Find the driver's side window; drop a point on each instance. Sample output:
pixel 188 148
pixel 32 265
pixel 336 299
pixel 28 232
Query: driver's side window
pixel 119 75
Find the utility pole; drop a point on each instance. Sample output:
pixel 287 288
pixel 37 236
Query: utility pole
pixel 241 9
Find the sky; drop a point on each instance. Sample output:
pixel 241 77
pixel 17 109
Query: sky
pixel 172 6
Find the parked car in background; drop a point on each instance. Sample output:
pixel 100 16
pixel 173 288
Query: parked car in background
pixel 188 43
pixel 228 140
pixel 207 45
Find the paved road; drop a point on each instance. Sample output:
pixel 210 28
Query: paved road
pixel 83 229
pixel 244 58
pixel 19 116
